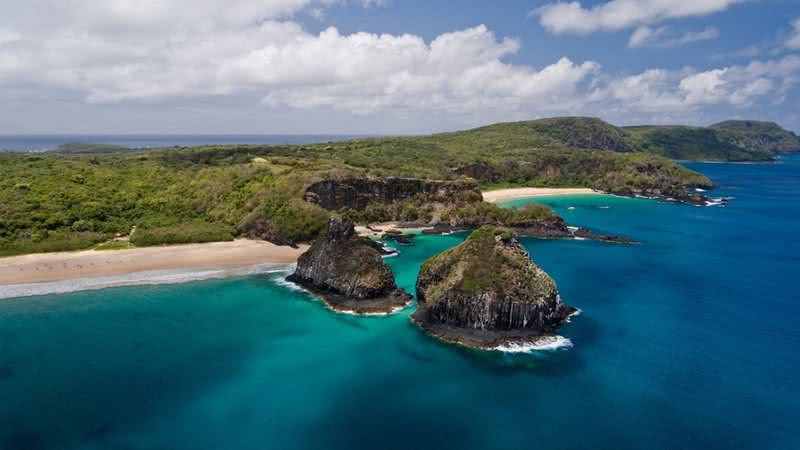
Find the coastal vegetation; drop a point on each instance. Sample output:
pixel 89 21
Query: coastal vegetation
pixel 75 200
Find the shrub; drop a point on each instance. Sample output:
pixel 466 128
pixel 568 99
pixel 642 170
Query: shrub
pixel 182 234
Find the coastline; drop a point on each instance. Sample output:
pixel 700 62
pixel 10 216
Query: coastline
pixel 530 192
pixel 214 256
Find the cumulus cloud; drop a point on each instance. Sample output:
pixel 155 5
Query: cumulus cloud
pixel 573 17
pixel 661 37
pixel 663 91
pixel 260 58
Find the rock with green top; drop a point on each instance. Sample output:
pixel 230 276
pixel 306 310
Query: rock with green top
pixel 349 273
pixel 487 292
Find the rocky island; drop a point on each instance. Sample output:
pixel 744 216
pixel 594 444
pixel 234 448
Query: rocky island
pixel 349 273
pixel 488 293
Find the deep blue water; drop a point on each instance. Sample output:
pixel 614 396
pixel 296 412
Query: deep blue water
pixel 51 142
pixel 689 340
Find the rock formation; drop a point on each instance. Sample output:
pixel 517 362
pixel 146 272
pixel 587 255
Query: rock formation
pixel 349 273
pixel 357 193
pixel 487 292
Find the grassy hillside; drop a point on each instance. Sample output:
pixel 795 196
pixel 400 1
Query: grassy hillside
pixel 726 141
pixel 752 134
pixel 51 202
pixel 692 143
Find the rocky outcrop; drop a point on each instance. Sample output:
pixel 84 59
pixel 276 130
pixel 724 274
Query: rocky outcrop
pixel 480 171
pixel 552 228
pixel 349 273
pixel 487 292
pixel 357 193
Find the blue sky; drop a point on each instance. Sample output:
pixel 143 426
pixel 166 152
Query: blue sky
pixel 391 66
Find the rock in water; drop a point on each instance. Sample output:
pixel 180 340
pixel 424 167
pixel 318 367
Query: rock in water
pixel 487 293
pixel 349 273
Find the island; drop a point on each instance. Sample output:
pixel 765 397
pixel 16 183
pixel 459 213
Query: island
pixel 348 273
pixel 487 293
pixel 84 196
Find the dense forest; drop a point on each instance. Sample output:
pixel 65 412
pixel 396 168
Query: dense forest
pixel 89 194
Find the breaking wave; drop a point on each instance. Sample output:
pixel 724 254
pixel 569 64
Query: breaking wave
pixel 546 343
pixel 153 277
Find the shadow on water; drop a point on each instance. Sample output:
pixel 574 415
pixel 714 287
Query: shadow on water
pixel 5 372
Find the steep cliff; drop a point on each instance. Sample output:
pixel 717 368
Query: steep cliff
pixel 358 193
pixel 487 292
pixel 349 273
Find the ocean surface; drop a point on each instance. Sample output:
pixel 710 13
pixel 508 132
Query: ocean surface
pixel 689 340
pixel 39 143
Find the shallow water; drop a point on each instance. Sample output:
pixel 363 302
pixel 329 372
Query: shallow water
pixel 685 341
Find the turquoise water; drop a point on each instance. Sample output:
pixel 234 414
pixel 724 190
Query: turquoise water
pixel 688 340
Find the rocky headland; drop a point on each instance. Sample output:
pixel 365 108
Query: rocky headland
pixel 487 293
pixel 349 273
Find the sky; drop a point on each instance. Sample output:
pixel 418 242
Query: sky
pixel 390 66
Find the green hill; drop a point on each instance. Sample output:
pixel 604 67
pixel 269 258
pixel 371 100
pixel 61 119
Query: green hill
pixel 693 144
pixel 753 134
pixel 57 201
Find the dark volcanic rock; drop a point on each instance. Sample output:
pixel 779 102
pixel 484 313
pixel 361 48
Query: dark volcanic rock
pixel 588 234
pixel 487 292
pixel 552 228
pixel 349 273
pixel 357 193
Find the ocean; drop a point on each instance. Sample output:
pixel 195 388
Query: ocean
pixel 688 340
pixel 40 143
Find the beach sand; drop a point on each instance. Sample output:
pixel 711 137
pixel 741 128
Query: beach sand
pixel 510 194
pixel 48 267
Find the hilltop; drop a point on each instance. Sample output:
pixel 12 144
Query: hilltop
pixel 725 141
pixel 758 135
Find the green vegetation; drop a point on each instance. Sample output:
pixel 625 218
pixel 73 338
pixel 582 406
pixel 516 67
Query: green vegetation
pixel 489 260
pixel 752 134
pixel 58 201
pixel 89 147
pixel 185 233
pixel 692 143
pixel 114 245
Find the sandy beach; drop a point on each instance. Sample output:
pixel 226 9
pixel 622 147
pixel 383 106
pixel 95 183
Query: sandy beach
pixel 510 194
pixel 49 267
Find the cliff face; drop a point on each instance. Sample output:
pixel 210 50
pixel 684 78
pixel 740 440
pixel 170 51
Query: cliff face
pixel 349 272
pixel 486 292
pixel 357 193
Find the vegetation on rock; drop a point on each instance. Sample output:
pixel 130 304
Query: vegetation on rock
pixel 486 291
pixel 349 272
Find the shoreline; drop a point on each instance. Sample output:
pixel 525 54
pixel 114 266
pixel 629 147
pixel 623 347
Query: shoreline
pixel 501 195
pixel 88 264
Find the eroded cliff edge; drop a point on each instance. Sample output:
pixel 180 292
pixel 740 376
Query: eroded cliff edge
pixel 349 273
pixel 487 292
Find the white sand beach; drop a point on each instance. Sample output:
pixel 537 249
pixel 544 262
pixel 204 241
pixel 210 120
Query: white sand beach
pixel 49 267
pixel 510 194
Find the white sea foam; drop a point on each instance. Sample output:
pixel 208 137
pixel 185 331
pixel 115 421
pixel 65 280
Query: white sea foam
pixel 604 207
pixel 574 314
pixel 132 279
pixel 545 343
pixel 573 229
pixel 699 190
pixel 571 208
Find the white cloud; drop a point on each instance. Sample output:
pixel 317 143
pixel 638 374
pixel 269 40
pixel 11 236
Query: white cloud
pixel 572 17
pixel 645 36
pixel 662 91
pixel 794 40
pixel 258 58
